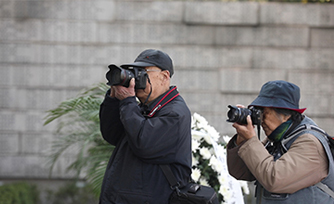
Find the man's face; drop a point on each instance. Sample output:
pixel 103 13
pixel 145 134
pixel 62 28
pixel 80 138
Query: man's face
pixel 156 77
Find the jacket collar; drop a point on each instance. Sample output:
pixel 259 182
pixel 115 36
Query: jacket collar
pixel 161 101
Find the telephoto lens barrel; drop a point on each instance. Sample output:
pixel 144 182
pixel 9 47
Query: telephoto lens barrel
pixel 118 76
pixel 238 115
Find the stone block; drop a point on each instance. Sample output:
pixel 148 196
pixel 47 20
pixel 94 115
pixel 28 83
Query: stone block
pixel 9 143
pixel 317 104
pixel 263 36
pixel 23 166
pixel 149 33
pixel 6 98
pixel 247 80
pixel 36 143
pixel 151 11
pixel 196 80
pixel 7 121
pixel 67 31
pixel 210 58
pixel 283 13
pixel 5 75
pixel 297 14
pixel 22 121
pixel 320 15
pixel 35 99
pixel 11 29
pixel 293 58
pixel 235 98
pixel 100 10
pixel 33 120
pixel 58 54
pixel 6 9
pixel 322 38
pixel 205 101
pixel 325 123
pixel 236 57
pixel 196 57
pixel 221 13
pixel 10 52
pixel 38 99
pixel 312 81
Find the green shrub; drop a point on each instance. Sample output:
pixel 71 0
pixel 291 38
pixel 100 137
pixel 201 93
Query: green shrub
pixel 19 193
pixel 70 193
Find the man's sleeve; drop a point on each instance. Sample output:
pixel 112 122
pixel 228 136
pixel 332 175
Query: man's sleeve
pixel 110 124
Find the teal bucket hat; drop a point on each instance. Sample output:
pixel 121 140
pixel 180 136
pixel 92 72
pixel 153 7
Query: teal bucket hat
pixel 279 94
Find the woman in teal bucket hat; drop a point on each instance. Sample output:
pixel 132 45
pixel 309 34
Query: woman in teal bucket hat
pixel 293 164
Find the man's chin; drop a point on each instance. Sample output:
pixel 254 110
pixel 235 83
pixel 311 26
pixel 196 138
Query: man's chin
pixel 141 95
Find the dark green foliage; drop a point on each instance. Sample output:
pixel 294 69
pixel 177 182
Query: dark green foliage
pixel 79 126
pixel 19 193
pixel 72 194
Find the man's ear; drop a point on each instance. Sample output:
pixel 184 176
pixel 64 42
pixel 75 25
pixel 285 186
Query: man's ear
pixel 166 74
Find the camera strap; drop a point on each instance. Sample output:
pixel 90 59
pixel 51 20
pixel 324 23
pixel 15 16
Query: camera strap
pixel 149 81
pixel 168 97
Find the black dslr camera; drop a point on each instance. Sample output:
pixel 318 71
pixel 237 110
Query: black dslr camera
pixel 119 76
pixel 239 115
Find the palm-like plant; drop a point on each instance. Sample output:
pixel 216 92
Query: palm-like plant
pixel 78 125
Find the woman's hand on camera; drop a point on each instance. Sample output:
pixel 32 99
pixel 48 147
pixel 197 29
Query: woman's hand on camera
pixel 245 132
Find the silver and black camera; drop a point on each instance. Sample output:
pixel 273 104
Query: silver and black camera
pixel 239 115
pixel 119 76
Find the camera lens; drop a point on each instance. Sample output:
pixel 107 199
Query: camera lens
pixel 238 115
pixel 119 76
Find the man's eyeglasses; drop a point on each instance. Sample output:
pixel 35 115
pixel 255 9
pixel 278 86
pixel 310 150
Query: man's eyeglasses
pixel 153 70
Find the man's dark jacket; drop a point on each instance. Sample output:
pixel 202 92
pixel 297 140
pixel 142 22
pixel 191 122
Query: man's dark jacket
pixel 145 137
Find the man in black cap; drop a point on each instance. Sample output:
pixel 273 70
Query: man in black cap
pixel 294 163
pixel 155 131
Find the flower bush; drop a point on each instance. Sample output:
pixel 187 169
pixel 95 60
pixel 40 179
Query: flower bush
pixel 209 162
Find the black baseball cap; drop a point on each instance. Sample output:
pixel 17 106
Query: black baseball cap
pixel 279 94
pixel 152 58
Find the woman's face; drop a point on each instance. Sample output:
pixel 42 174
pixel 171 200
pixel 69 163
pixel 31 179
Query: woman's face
pixel 271 120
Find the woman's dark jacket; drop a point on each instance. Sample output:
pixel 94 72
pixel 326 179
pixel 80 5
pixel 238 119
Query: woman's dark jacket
pixel 145 137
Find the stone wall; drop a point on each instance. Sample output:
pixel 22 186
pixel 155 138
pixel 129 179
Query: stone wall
pixel 223 52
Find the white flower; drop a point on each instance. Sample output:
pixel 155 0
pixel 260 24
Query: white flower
pixel 207 138
pixel 244 186
pixel 205 152
pixel 200 119
pixel 222 179
pixel 194 160
pixel 213 133
pixel 226 138
pixel 196 174
pixel 225 191
pixel 194 145
pixel 197 135
pixel 216 164
pixel 204 182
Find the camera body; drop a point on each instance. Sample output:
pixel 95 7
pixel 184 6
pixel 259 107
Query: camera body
pixel 119 76
pixel 239 115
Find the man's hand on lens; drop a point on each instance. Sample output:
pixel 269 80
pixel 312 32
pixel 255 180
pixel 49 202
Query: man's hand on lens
pixel 122 92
